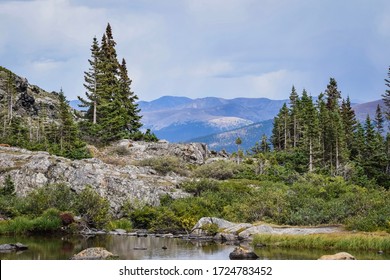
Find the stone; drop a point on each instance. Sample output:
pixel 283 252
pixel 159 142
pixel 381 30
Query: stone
pixel 249 232
pixel 94 253
pixel 240 253
pixel 221 223
pixel 120 231
pixel 338 256
pixel 237 228
pixel 228 236
pixel 4 248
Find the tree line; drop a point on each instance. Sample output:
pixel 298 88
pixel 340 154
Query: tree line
pixel 325 136
pixel 111 112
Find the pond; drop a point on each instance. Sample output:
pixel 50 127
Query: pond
pixel 144 248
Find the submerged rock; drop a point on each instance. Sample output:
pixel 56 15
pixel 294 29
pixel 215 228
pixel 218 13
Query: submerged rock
pixel 4 248
pixel 338 256
pixel 94 253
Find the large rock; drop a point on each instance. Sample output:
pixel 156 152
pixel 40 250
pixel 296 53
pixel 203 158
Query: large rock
pixel 94 253
pixel 29 100
pixel 240 253
pixel 195 153
pixel 249 232
pixel 338 256
pixel 4 248
pixel 198 229
pixel 118 183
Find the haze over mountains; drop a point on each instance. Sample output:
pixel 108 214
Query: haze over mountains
pixel 218 121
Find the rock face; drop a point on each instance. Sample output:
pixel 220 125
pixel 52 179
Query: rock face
pixel 94 253
pixel 28 100
pixel 338 256
pixel 240 253
pixel 195 153
pixel 118 183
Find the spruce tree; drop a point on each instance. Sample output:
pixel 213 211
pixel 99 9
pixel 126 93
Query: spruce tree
pixel 379 120
pixel 386 96
pixel 310 130
pixel 349 122
pixel 128 101
pixel 69 142
pixel 112 112
pixel 335 136
pixel 91 85
pixel 294 111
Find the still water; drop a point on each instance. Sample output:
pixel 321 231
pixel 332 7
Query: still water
pixel 144 248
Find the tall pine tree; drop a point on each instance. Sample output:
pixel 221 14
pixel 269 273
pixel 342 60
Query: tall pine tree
pixel 112 110
pixel 386 96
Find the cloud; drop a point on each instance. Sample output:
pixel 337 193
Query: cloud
pixel 226 48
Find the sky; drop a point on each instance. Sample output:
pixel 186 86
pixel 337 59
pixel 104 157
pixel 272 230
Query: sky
pixel 199 48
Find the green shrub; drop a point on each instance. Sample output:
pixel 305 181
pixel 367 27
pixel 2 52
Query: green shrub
pixel 58 196
pixel 119 224
pixel 93 208
pixel 121 150
pixel 197 187
pixel 165 164
pixel 210 229
pixel 142 218
pixel 49 221
pixel 9 187
pixel 220 170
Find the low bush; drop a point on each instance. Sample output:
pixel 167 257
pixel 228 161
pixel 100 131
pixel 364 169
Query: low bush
pixel 93 208
pixel 49 221
pixel 220 170
pixel 58 196
pixel 119 224
pixel 197 187
pixel 166 164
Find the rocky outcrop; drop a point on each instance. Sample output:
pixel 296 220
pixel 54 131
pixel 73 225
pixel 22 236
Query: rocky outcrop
pixel 240 253
pixel 118 183
pixel 28 100
pixel 94 253
pixel 229 231
pixel 194 153
pixel 338 256
pixel 5 248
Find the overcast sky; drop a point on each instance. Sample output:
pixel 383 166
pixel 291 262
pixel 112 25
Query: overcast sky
pixel 198 48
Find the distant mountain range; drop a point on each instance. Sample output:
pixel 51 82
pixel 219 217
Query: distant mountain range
pixel 218 121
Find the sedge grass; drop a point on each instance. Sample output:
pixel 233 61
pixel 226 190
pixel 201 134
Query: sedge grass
pixel 339 241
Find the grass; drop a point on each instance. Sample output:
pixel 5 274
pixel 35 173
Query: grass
pixel 48 222
pixel 120 224
pixel 339 241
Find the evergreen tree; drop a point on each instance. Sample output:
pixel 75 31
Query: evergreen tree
pixel 91 85
pixel 310 130
pixel 69 142
pixel 386 96
pixel 349 122
pixel 335 136
pixel 128 101
pixel 264 146
pixel 294 112
pixel 379 120
pixel 112 112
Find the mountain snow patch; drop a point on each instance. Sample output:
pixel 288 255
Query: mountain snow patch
pixel 226 123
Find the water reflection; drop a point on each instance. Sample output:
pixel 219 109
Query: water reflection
pixel 137 248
